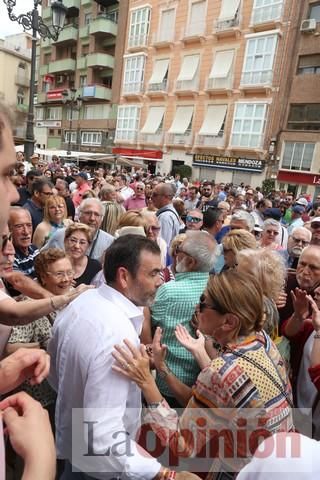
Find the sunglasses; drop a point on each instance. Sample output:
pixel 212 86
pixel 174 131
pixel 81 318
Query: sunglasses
pixel 215 306
pixel 315 225
pixel 5 239
pixel 191 219
pixel 272 232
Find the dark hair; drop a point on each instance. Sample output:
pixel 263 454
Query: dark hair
pixel 126 252
pixel 34 173
pixel 211 216
pixel 38 185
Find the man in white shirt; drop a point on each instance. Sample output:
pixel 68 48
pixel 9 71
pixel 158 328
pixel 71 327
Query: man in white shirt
pixel 89 392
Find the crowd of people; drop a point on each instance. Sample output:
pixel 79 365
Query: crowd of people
pixel 198 301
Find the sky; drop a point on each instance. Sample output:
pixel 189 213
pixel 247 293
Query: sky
pixel 6 26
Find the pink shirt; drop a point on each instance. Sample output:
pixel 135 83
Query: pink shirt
pixel 77 195
pixel 135 203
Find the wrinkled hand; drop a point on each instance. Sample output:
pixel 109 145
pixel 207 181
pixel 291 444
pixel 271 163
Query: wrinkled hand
pixel 281 300
pixel 24 364
pixel 187 341
pixel 77 291
pixel 133 363
pixel 159 351
pixel 300 303
pixel 30 434
pixel 315 314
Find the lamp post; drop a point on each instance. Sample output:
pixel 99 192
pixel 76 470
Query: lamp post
pixel 69 97
pixel 33 21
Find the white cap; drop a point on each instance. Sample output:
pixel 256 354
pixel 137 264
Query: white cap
pixel 302 201
pixel 316 219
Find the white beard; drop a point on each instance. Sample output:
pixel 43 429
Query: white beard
pixel 181 267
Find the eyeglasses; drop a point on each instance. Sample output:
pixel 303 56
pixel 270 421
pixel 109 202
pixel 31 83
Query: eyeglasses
pixel 272 232
pixel 139 189
pixel 315 225
pixel 191 219
pixel 90 214
pixel 5 240
pixel 62 275
pixel 76 241
pixel 20 226
pixel 304 243
pixel 203 305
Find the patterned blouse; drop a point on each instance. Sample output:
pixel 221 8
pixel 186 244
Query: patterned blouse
pixel 223 399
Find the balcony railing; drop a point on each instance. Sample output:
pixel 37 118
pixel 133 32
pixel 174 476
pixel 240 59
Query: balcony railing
pixel 132 88
pixel 138 40
pixel 155 138
pixel 257 78
pixel 179 138
pixel 211 140
pixel 246 141
pixel 126 135
pixel 187 85
pixel 267 13
pixel 158 87
pixel 220 83
pixel 222 25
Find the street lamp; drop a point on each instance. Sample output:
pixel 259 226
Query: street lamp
pixel 69 97
pixel 33 21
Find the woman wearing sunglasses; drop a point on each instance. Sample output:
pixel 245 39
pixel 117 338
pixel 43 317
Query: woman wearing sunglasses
pixel 247 380
pixel 270 232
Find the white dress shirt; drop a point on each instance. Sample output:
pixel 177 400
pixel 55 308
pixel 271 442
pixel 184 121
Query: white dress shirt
pixel 84 335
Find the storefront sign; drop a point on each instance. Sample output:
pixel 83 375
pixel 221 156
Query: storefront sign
pixel 133 152
pixel 49 123
pixel 48 79
pixel 55 94
pixel 234 163
pixel 298 177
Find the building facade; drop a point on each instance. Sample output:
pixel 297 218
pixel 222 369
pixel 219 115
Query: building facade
pixel 298 148
pixel 203 84
pixel 15 59
pixel 81 63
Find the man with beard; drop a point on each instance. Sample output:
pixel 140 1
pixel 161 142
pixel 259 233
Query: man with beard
pixel 297 241
pixel 175 304
pixel 83 338
pixel 207 199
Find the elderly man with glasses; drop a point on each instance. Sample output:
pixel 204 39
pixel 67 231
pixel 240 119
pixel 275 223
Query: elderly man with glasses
pixel 90 213
pixel 299 238
pixel 138 200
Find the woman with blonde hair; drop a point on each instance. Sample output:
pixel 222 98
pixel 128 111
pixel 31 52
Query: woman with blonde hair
pixel 247 382
pixel 55 217
pixel 132 221
pixel 235 241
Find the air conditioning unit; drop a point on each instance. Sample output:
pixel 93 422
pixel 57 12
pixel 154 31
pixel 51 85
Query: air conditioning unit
pixel 60 78
pixel 309 25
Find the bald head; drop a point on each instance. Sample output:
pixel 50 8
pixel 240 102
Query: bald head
pixel 308 269
pixel 162 194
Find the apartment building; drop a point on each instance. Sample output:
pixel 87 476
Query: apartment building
pixel 15 60
pixel 81 65
pixel 299 138
pixel 203 85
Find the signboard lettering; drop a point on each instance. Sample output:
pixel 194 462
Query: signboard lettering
pixel 236 163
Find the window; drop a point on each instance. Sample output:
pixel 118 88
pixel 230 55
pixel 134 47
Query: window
pixel 39 113
pixel 96 112
pixel 197 18
pixel 84 50
pixel 229 15
pixel 91 138
pixel 266 10
pixel 46 58
pixel 315 12
pixel 221 75
pixel 166 29
pixel 127 122
pixel 139 27
pixel 304 117
pixel 309 64
pixel 87 18
pixel 20 96
pixel 75 113
pixel 83 80
pixel 248 125
pixel 133 74
pixel 70 136
pixel 159 77
pixel 54 113
pixel 298 156
pixel 258 63
pixel 188 77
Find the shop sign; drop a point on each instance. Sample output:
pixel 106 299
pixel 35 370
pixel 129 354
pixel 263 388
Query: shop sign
pixel 49 123
pixel 287 176
pixel 234 163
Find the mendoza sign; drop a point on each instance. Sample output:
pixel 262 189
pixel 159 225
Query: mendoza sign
pixel 234 163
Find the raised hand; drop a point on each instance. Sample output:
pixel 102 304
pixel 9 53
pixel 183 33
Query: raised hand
pixel 159 351
pixel 315 314
pixel 133 363
pixel 187 341
pixel 300 303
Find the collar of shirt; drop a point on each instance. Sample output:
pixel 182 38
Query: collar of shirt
pixel 191 276
pixel 166 207
pixel 33 205
pixel 134 313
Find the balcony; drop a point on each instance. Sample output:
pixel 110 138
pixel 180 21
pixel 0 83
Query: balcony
pixel 125 136
pixel 82 63
pixel 163 38
pixel 153 138
pixel 65 65
pixel 138 42
pixel 132 89
pixel 84 32
pixel 256 81
pixel 266 16
pixel 158 89
pixel 42 97
pixel 194 32
pixel 22 80
pixel 98 92
pixel 217 141
pixel 220 85
pixel 68 34
pixel 44 69
pixel 184 87
pixel 184 139
pixel 103 26
pixel 97 60
pixel 22 107
pixel 47 43
pixel 228 28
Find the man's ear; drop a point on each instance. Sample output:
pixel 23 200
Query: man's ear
pixel 122 277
